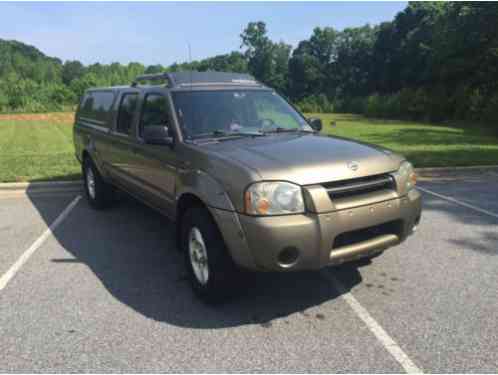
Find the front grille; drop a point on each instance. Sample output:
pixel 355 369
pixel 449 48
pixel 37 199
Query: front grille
pixel 365 234
pixel 359 186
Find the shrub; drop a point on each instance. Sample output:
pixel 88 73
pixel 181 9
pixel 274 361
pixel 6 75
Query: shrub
pixel 316 104
pixel 61 96
pixel 4 99
pixel 490 112
pixel 351 105
pixel 438 106
pixel 476 103
pixel 387 106
pixel 373 106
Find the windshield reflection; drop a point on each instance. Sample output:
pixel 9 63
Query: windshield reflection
pixel 235 113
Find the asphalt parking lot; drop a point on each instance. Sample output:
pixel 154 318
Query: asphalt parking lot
pixel 106 291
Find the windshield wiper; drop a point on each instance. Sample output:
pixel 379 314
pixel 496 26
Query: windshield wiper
pixel 222 133
pixel 279 129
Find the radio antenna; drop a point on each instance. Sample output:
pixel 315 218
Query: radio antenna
pixel 190 62
pixel 190 74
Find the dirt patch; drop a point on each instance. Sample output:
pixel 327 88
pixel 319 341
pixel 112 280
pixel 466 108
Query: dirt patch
pixel 56 117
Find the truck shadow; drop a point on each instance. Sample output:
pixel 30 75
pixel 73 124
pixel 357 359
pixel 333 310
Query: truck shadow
pixel 132 251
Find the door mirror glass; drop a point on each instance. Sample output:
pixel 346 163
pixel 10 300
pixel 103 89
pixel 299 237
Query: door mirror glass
pixel 315 123
pixel 157 135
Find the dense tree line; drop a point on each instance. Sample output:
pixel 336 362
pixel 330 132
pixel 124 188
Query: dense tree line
pixel 434 61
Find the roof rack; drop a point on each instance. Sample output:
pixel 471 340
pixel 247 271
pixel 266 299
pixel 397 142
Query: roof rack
pixel 154 77
pixel 193 78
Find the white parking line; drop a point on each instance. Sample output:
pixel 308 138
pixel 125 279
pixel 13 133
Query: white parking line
pixel 4 280
pixel 460 203
pixel 389 344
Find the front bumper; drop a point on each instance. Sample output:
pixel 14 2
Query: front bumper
pixel 312 241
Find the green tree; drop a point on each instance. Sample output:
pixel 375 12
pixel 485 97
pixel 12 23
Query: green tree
pixel 267 61
pixel 310 68
pixel 79 85
pixel 153 69
pixel 72 70
pixel 432 60
pixel 352 68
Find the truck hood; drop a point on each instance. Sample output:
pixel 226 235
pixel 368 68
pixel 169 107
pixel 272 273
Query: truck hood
pixel 306 159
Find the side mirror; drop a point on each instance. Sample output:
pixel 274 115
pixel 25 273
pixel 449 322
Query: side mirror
pixel 157 135
pixel 315 123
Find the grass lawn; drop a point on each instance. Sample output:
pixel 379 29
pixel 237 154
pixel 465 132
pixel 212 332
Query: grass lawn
pixel 40 147
pixel 425 145
pixel 37 148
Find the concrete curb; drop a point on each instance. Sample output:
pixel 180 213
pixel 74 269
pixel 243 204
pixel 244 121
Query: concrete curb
pixel 456 169
pixel 42 187
pixel 77 185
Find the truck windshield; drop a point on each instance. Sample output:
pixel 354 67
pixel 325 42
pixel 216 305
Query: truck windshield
pixel 235 112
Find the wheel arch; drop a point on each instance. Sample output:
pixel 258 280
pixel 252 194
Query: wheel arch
pixel 198 188
pixel 87 154
pixel 185 201
pixel 227 223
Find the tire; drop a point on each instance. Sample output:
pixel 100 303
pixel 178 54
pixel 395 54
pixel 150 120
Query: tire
pixel 98 193
pixel 201 239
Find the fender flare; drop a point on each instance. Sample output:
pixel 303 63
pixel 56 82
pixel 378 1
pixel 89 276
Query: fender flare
pixel 214 197
pixel 206 188
pixel 89 149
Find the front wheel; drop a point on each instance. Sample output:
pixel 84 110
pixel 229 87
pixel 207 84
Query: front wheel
pixel 210 267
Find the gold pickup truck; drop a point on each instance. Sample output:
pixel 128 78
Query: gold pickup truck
pixel 248 180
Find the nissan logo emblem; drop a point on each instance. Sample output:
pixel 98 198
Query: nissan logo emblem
pixel 353 165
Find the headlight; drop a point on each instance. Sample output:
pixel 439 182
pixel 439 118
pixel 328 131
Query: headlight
pixel 407 174
pixel 273 198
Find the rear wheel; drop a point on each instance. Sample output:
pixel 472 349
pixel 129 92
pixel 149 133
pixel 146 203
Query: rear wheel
pixel 210 268
pixel 99 193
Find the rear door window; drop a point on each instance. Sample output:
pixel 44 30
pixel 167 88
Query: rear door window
pixel 127 109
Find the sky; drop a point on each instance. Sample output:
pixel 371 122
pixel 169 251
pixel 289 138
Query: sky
pixel 159 33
